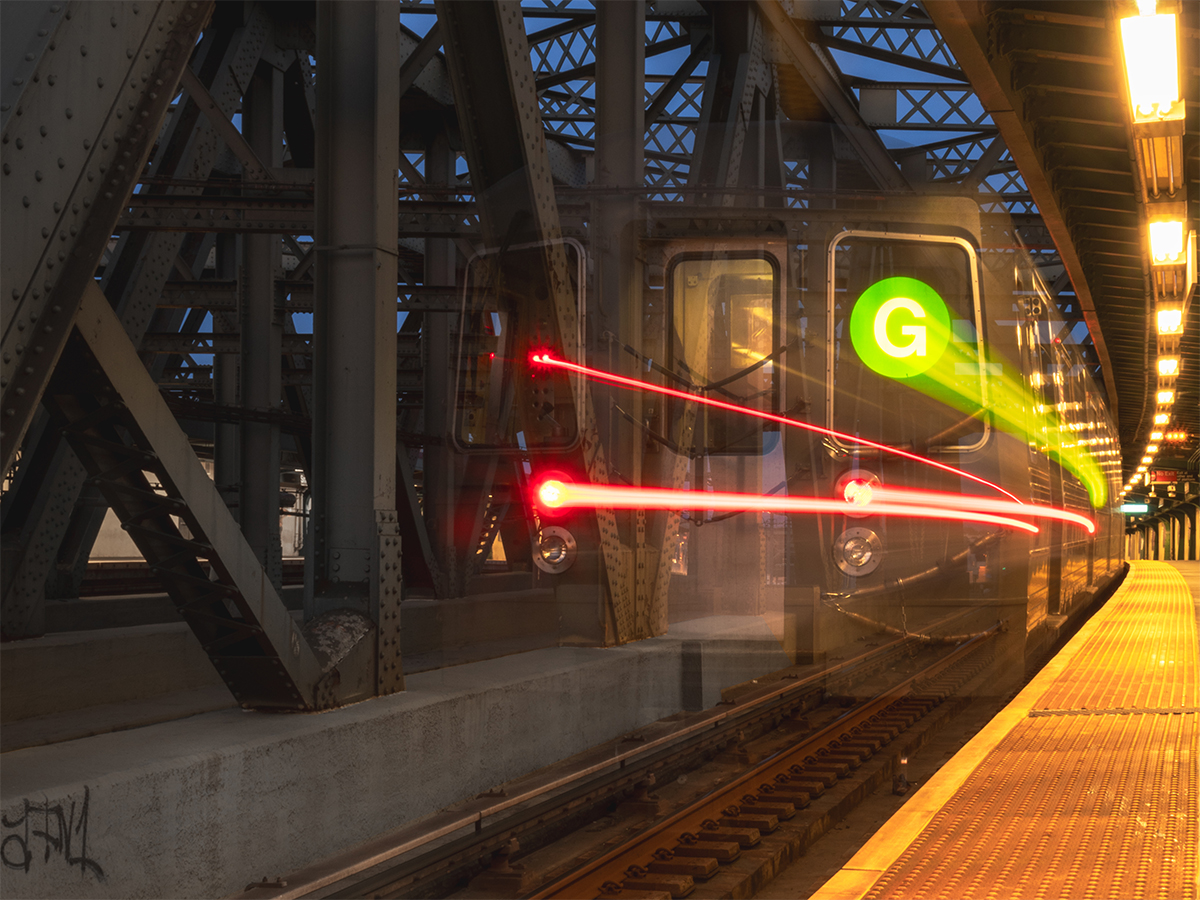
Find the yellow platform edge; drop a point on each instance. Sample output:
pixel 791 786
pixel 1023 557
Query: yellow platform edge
pixel 855 879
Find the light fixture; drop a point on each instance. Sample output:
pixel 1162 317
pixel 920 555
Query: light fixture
pixel 1162 418
pixel 1170 320
pixel 1165 397
pixel 1146 460
pixel 1176 435
pixel 1166 242
pixel 1152 449
pixel 1152 67
pixel 1140 469
pixel 1156 435
pixel 1168 366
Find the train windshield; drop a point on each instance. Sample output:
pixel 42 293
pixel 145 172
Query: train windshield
pixel 723 342
pixel 905 350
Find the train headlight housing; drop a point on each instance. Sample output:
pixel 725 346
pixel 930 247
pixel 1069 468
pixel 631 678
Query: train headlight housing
pixel 858 551
pixel 555 551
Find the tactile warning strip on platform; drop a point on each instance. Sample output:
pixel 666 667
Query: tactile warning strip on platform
pixel 1142 653
pixel 1086 786
pixel 1115 818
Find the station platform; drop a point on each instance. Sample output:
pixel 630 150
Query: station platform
pixel 1086 785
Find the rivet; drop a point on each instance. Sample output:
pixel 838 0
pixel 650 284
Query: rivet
pixel 42 131
pixel 37 176
pixel 7 169
pixel 99 82
pixel 51 80
pixel 18 81
pixel 62 163
pixel 57 206
pixel 69 113
pixel 87 145
pixel 20 144
pixel 82 50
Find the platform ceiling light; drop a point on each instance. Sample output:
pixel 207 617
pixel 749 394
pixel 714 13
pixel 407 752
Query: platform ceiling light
pixel 1146 460
pixel 1168 366
pixel 1170 320
pixel 1152 64
pixel 1166 242
pixel 1165 397
pixel 1162 418
pixel 1152 449
pixel 1140 469
pixel 1156 435
pixel 1176 435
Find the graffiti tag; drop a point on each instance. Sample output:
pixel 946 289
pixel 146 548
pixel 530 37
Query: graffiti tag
pixel 56 831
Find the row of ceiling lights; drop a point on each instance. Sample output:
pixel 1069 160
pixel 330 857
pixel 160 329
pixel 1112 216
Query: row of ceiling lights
pixel 1151 47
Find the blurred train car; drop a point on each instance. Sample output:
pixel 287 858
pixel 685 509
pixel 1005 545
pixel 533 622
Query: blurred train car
pixel 828 316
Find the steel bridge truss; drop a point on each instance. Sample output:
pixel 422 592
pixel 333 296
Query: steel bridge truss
pixel 168 238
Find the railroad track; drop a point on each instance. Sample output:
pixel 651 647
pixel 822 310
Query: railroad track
pixel 429 857
pixel 667 860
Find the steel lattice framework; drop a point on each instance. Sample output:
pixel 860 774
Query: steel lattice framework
pixel 194 242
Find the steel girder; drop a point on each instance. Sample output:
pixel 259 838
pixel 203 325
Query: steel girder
pixel 353 578
pixel 109 139
pixel 97 100
pixel 134 451
pixel 502 132
pixel 967 32
pixel 133 277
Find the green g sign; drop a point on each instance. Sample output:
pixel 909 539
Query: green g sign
pixel 900 327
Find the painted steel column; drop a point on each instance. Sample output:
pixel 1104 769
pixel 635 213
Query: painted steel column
pixel 355 538
pixel 620 147
pixel 227 467
pixel 620 164
pixel 439 352
pixel 808 538
pixel 262 337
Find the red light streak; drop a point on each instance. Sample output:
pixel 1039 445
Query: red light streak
pixel 555 494
pixel 601 375
pixel 978 504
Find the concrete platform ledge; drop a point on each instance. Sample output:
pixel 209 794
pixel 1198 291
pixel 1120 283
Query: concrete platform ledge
pixel 201 806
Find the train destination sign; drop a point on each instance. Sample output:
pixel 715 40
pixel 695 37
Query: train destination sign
pixel 900 327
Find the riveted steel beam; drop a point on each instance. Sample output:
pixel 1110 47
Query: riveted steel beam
pixel 99 102
pixel 819 77
pixel 120 428
pixel 511 175
pixel 355 540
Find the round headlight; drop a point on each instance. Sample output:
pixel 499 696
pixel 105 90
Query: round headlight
pixel 555 550
pixel 858 551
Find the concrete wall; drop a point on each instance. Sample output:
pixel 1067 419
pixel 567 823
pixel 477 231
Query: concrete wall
pixel 202 806
pixel 76 670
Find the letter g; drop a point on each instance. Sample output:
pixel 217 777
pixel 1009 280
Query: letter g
pixel 917 346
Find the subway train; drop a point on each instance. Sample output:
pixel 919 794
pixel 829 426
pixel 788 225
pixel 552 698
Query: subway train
pixel 860 416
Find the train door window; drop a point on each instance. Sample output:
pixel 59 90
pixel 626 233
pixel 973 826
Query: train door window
pixel 502 402
pixel 724 331
pixel 905 362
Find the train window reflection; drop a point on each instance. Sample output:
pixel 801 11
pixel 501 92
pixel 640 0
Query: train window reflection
pixel 724 335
